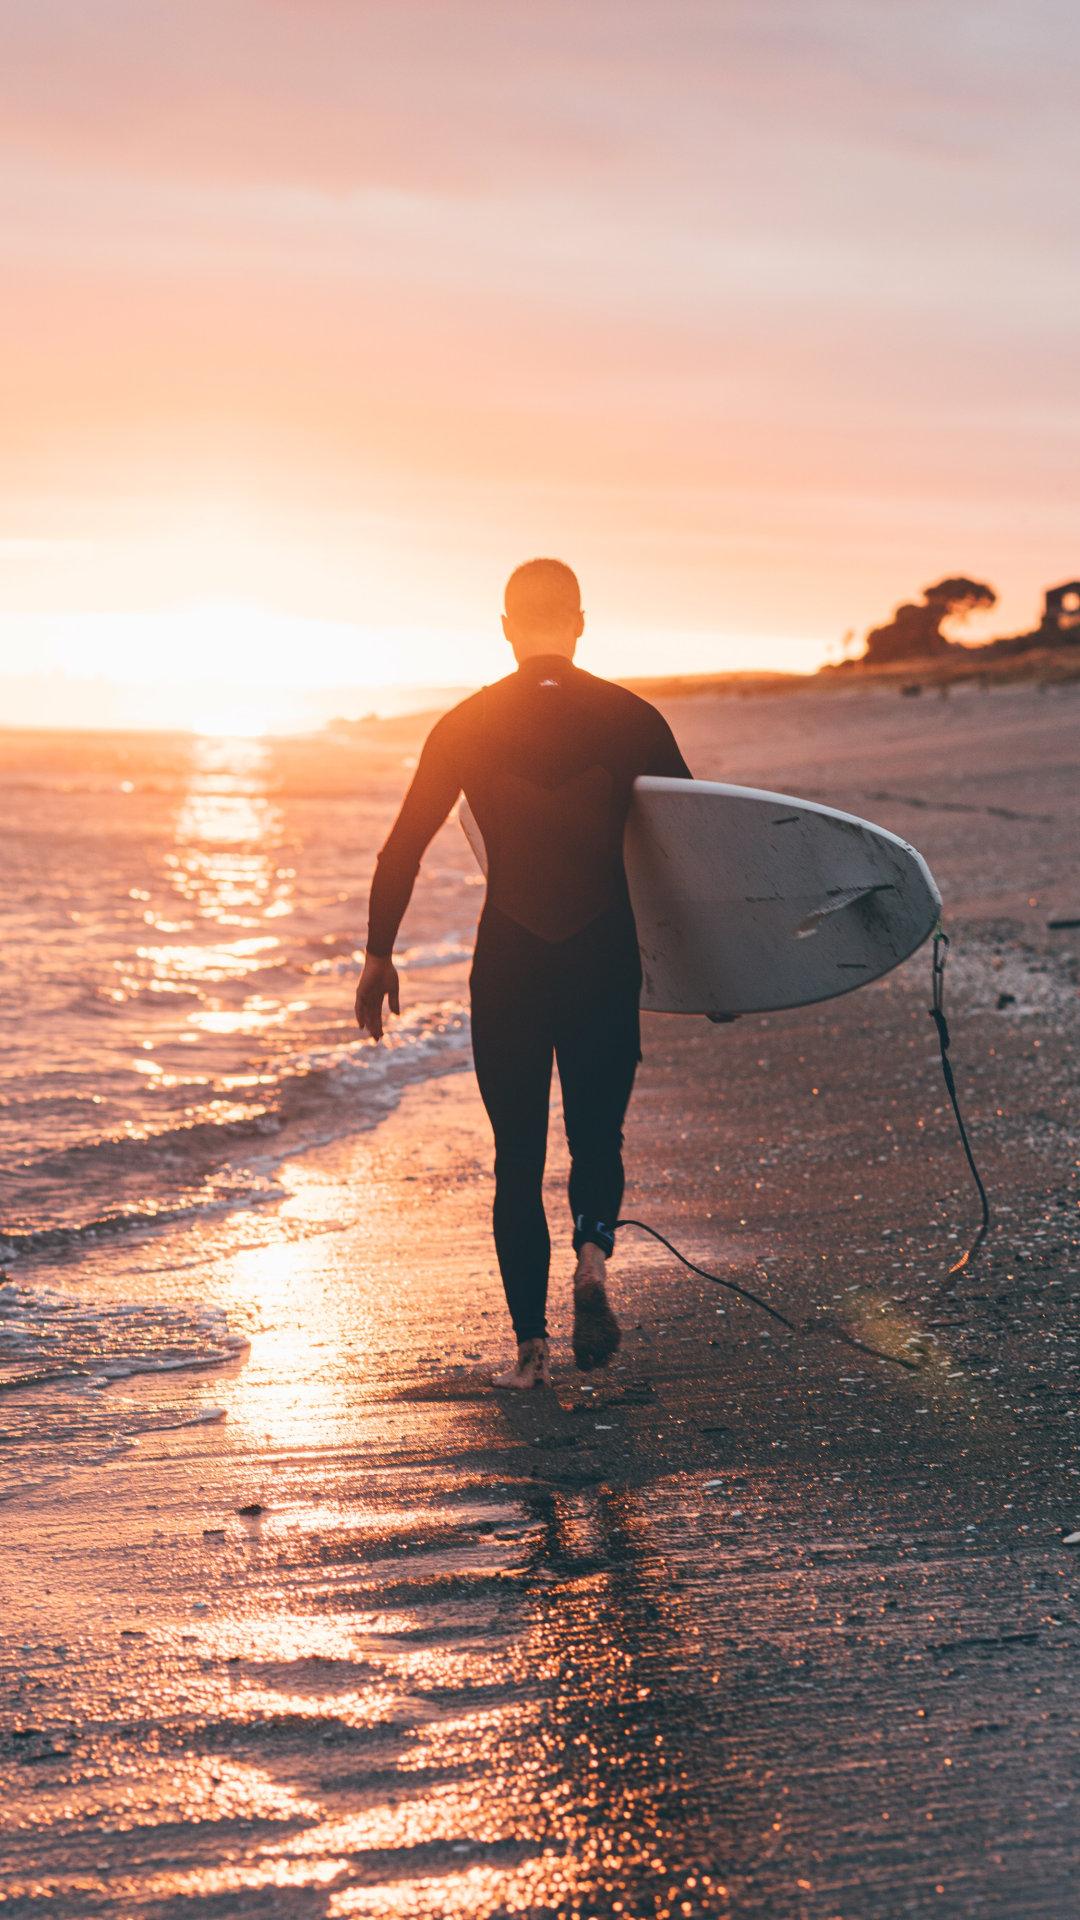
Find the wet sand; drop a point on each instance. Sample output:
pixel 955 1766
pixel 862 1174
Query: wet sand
pixel 754 1623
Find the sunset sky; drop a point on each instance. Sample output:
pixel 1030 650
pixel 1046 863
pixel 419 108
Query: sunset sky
pixel 319 315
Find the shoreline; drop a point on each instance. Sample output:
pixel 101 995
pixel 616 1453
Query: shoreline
pixel 1044 668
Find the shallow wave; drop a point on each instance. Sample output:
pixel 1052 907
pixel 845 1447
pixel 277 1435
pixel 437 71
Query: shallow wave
pixel 449 952
pixel 59 1351
pixel 207 1161
pixel 217 1195
pixel 113 1001
pixel 48 1336
pixel 175 994
pixel 156 1149
pixel 341 958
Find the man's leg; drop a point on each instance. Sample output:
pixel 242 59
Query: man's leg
pixel 598 1046
pixel 512 1050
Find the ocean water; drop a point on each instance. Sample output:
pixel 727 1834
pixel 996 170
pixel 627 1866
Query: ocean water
pixel 183 920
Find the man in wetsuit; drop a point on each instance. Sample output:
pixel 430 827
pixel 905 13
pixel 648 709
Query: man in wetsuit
pixel 547 759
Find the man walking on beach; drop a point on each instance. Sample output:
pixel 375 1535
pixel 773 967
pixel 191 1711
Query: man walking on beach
pixel 547 759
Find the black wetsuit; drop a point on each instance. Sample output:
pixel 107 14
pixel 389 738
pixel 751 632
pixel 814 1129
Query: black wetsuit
pixel 547 759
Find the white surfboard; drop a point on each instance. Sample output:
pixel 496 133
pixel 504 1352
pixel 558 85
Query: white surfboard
pixel 747 901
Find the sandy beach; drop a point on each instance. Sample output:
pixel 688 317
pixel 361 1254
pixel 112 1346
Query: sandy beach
pixel 754 1623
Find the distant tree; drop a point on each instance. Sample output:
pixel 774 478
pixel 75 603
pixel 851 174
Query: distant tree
pixel 914 632
pixel 958 597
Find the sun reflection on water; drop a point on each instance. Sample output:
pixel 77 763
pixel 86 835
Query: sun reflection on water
pixel 225 866
pixel 224 831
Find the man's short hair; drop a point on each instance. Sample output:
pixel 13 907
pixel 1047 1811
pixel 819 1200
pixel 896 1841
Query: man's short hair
pixel 542 593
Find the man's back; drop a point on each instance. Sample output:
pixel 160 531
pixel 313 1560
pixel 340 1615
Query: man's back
pixel 547 759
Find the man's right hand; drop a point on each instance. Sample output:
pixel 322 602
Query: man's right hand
pixel 378 982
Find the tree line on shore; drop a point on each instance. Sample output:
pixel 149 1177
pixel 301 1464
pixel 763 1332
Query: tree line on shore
pixel 915 630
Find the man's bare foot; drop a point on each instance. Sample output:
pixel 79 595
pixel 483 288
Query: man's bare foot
pixel 596 1330
pixel 532 1369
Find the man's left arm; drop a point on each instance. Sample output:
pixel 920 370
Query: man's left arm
pixel 663 755
pixel 435 786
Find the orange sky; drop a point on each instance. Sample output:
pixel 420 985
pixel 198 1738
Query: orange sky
pixel 319 315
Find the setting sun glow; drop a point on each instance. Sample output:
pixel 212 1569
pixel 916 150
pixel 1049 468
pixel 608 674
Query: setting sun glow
pixel 303 362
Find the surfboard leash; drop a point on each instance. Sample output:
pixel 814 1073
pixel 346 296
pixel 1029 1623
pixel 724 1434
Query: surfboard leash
pixel 828 1327
pixel 941 1025
pixel 732 1286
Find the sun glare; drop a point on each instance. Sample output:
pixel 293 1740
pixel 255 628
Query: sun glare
pixel 241 724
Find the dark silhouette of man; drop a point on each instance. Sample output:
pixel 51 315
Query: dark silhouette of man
pixel 547 759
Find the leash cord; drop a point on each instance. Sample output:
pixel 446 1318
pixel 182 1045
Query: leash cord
pixel 941 1026
pixel 824 1326
pixel 732 1285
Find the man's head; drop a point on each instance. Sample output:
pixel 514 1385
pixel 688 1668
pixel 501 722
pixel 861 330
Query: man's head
pixel 543 609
